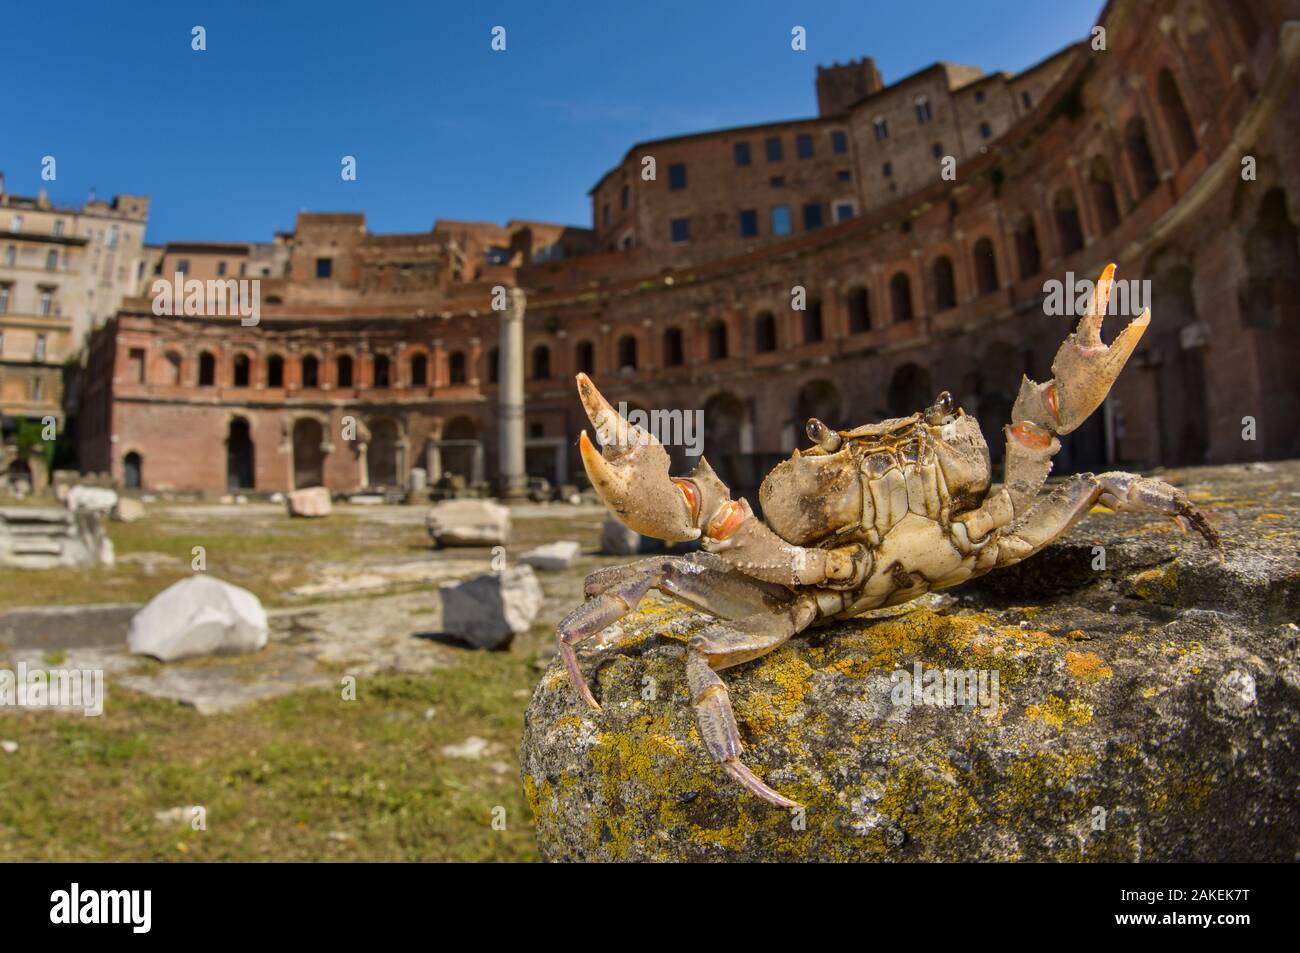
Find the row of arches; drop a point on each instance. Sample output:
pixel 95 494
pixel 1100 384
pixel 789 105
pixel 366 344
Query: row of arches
pixel 414 371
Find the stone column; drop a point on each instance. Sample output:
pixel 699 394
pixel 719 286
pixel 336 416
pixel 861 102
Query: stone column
pixel 512 483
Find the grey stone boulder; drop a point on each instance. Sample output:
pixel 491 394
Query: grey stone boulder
pixel 468 523
pixel 312 502
pixel 488 611
pixel 617 540
pixel 198 616
pixel 1147 709
pixel 552 557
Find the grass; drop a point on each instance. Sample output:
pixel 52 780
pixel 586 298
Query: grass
pixel 304 777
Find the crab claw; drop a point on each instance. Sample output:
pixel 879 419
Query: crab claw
pixel 1083 370
pixel 630 472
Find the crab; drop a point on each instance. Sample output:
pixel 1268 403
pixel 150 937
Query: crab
pixel 863 519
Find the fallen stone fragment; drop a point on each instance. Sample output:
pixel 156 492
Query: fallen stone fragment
pixel 8 747
pixel 198 616
pixel 552 556
pixel 471 749
pixel 617 540
pixel 96 499
pixel 312 501
pixel 488 611
pixel 128 510
pixel 468 523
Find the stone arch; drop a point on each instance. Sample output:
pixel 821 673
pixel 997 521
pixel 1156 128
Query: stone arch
pixel 383 371
pixel 725 422
pixel 909 390
pixel 813 326
pixel 674 348
pixel 343 370
pixel 1101 180
pixel 383 452
pixel 627 353
pixel 132 470
pixel 308 453
pixel 1029 256
pixel 765 340
pixel 241 370
pixel 1177 122
pixel 945 283
pixel 900 296
pixel 1069 229
pixel 717 335
pixel 541 363
pixel 275 371
pixel 1269 300
pixel 419 369
pixel 584 357
pixel 997 381
pixel 207 369
pixel 461 448
pixel 1141 160
pixel 1175 348
pixel 986 266
pixel 858 301
pixel 241 469
pixel 310 370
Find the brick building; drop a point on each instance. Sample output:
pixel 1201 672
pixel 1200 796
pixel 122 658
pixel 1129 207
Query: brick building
pixel 1172 151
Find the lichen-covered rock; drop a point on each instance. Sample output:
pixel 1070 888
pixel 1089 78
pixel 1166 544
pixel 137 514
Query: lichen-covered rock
pixel 1146 707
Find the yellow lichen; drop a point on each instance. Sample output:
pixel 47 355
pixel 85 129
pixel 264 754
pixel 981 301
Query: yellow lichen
pixel 1087 666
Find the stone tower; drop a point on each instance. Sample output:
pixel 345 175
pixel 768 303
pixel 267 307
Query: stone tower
pixel 839 87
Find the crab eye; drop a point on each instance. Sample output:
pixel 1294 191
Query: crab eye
pixel 822 435
pixel 944 403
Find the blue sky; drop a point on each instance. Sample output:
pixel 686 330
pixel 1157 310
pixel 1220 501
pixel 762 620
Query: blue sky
pixel 231 143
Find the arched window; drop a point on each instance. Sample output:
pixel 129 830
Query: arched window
pixel 812 321
pixel 765 333
pixel 717 340
pixel 1068 229
pixel 986 266
pixel 945 284
pixel 310 371
pixel 382 371
pixel 241 371
pixel 584 356
pixel 1177 121
pixel 900 296
pixel 541 362
pixel 627 353
pixel 1102 183
pixel 859 305
pixel 343 370
pixel 174 365
pixel 1140 158
pixel 132 471
pixel 419 370
pixel 1028 257
pixel 207 369
pixel 275 371
pixel 494 365
pixel 456 367
pixel 674 351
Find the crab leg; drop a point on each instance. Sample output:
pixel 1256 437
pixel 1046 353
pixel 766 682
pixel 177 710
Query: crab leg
pixel 721 646
pixel 1055 513
pixel 700 580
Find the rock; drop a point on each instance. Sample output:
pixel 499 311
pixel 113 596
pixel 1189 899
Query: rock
pixel 1166 730
pixel 96 499
pixel 367 499
pixel 311 501
pixel 8 747
pixel 128 510
pixel 47 537
pixel 552 556
pixel 198 616
pixel 276 497
pixel 468 523
pixel 617 540
pixel 488 611
pixel 471 749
